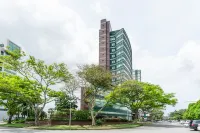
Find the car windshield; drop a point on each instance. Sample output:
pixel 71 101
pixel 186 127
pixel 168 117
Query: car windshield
pixel 196 121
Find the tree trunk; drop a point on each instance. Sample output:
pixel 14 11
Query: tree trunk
pixel 18 115
pixel 136 115
pixel 10 119
pixel 93 118
pixel 36 117
pixel 36 120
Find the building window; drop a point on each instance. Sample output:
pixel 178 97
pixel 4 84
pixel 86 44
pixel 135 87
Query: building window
pixel 113 50
pixel 2 52
pixel 119 53
pixel 118 60
pixel 118 66
pixel 113 61
pixel 112 39
pixel 118 72
pixel 113 56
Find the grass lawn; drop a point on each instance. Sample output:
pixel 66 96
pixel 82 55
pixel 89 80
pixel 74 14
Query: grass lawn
pixel 73 127
pixel 76 127
pixel 16 125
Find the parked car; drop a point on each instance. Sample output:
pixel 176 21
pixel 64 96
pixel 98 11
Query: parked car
pixel 186 124
pixel 198 128
pixel 194 124
pixel 182 122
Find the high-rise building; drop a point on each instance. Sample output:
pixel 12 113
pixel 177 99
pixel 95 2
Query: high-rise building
pixel 104 44
pixel 137 75
pixel 115 52
pixel 115 55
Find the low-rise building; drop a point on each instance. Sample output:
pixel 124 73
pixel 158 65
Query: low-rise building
pixel 9 45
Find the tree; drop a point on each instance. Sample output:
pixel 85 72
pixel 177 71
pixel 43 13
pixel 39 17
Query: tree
pixel 40 76
pixel 177 114
pixel 139 95
pixel 193 111
pixel 63 103
pixel 96 81
pixel 157 114
pixel 68 99
pixel 12 93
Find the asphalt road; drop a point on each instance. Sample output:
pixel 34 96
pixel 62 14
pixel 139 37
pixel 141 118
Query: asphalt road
pixel 156 128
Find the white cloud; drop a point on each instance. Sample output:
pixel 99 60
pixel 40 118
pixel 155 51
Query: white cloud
pixel 178 73
pixel 100 7
pixel 53 31
pixel 97 7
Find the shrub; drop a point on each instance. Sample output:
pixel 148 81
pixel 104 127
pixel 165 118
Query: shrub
pixel 123 120
pixel 81 115
pixel 30 119
pixel 115 120
pixel 59 119
pixel 19 121
pixel 112 119
pixel 99 122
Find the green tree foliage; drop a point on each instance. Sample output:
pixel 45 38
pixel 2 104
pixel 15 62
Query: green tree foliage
pixel 177 114
pixel 139 95
pixel 193 111
pixel 14 92
pixel 157 114
pixel 63 102
pixel 39 75
pixel 96 81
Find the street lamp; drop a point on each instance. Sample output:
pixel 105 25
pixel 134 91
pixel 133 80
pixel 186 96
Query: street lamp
pixel 70 107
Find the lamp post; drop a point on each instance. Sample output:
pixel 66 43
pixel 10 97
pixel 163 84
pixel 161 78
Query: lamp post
pixel 70 109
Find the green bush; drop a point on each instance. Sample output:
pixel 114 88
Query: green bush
pixel 76 115
pixel 115 120
pixel 99 122
pixel 124 120
pixel 112 119
pixel 59 119
pixel 81 115
pixel 30 119
pixel 19 121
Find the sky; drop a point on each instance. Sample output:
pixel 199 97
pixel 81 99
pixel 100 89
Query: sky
pixel 164 35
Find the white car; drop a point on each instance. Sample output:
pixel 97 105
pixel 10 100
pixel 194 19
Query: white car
pixel 186 124
pixel 198 128
pixel 182 122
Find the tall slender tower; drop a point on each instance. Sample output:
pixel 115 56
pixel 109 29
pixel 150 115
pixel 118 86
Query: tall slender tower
pixel 115 52
pixel 104 44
